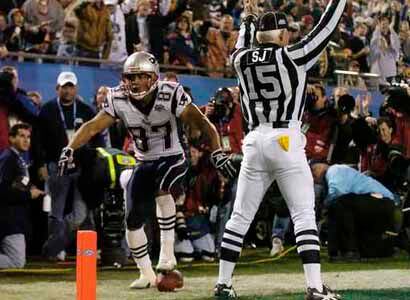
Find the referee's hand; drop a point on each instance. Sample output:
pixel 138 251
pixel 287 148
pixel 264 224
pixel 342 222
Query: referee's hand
pixel 251 7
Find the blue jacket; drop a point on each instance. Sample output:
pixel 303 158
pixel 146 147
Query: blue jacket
pixel 342 180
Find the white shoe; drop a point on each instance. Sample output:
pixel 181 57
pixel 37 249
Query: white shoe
pixel 207 258
pixel 186 259
pixel 277 246
pixel 61 255
pixel 165 265
pixel 142 283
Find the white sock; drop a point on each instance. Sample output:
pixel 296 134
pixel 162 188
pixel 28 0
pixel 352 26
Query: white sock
pixel 225 272
pixel 166 212
pixel 138 244
pixel 312 276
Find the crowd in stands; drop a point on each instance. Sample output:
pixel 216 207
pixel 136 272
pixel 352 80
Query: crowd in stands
pixel 357 158
pixel 373 35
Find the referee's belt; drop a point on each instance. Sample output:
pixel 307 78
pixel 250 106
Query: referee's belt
pixel 276 124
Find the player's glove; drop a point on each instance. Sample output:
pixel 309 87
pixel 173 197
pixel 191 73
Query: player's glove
pixel 223 164
pixel 66 161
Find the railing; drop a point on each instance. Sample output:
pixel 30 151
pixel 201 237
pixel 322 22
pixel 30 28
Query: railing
pixel 76 60
pixel 371 79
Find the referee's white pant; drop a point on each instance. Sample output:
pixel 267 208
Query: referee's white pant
pixel 274 154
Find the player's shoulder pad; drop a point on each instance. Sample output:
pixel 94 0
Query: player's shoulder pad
pixel 167 86
pixel 114 95
pixel 118 93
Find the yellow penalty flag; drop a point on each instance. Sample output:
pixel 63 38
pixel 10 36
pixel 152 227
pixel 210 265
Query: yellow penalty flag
pixel 284 142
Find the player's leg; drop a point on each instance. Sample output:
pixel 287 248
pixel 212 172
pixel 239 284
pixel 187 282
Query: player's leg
pixel 253 182
pixel 295 182
pixel 138 197
pixel 166 220
pixel 170 174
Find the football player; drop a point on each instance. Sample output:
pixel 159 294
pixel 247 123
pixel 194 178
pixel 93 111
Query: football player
pixel 151 110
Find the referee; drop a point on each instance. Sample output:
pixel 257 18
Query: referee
pixel 272 81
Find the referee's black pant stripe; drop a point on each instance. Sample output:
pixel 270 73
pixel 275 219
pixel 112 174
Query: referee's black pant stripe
pixel 307 232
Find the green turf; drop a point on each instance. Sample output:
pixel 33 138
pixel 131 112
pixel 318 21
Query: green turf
pixel 398 294
pixel 252 261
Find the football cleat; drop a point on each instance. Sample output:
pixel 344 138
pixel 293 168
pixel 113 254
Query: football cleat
pixel 326 294
pixel 224 292
pixel 142 283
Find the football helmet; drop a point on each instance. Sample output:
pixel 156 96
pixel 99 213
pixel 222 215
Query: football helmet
pixel 137 64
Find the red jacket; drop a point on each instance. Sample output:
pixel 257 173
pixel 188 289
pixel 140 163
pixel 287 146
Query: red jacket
pixel 403 132
pixel 4 127
pixel 319 134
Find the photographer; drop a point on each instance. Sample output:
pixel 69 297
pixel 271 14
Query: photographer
pixel 224 112
pixel 397 106
pixel 319 123
pixel 345 151
pixel 66 113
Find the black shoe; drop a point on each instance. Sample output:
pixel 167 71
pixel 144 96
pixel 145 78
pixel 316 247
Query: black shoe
pixel 224 292
pixel 326 294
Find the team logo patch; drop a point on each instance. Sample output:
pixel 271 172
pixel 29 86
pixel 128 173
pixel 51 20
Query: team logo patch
pixel 284 142
pixel 159 107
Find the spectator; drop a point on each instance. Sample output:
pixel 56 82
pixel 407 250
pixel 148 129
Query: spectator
pixel 114 137
pixel 69 6
pixel 181 46
pixel 345 151
pixel 3 51
pixel 66 112
pixel 145 32
pixel 375 157
pixel 16 190
pixel 385 51
pixel 118 52
pixel 319 124
pixel 221 43
pixel 43 15
pixel 35 97
pixel 13 101
pixel 7 6
pixel 361 210
pixel 66 46
pixel 3 27
pixel 225 114
pixel 216 9
pixel 194 235
pixel 359 46
pixel 94 30
pixel 355 81
pixel 404 36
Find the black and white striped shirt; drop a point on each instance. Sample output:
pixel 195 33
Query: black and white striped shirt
pixel 273 79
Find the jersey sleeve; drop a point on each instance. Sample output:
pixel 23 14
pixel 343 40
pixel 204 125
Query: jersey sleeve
pixel 180 100
pixel 307 52
pixel 108 104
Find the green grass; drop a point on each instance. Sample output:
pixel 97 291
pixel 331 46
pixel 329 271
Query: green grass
pixel 59 279
pixel 400 294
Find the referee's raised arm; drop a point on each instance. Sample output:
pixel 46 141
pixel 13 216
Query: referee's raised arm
pixel 308 50
pixel 247 30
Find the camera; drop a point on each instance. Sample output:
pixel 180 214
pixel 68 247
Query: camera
pixel 397 97
pixel 223 103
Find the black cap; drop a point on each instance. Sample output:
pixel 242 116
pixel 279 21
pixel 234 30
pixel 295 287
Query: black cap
pixel 346 103
pixel 272 21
